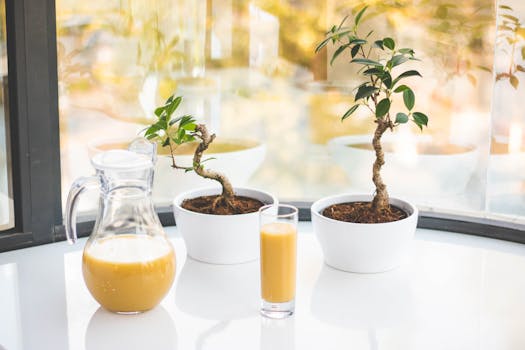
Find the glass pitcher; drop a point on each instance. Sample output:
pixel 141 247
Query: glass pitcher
pixel 128 263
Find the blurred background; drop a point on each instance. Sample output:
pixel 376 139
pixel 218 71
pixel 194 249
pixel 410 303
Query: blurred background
pixel 248 69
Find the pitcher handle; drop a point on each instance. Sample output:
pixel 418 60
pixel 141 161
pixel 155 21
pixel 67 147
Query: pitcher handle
pixel 79 186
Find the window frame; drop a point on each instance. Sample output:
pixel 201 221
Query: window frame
pixel 33 120
pixel 33 123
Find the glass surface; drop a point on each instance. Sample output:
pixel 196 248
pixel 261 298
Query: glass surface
pixel 248 69
pixel 7 217
pixel 278 239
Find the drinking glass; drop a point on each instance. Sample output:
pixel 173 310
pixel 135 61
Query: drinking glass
pixel 278 237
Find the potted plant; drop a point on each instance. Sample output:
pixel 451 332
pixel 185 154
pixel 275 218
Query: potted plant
pixel 219 224
pixel 370 233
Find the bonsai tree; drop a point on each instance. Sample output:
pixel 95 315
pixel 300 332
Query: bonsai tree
pixel 173 132
pixel 379 62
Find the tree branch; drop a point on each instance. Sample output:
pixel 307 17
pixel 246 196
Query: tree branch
pixel 202 133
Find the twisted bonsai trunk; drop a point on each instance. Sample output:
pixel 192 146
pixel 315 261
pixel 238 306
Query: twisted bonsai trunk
pixel 206 138
pixel 380 203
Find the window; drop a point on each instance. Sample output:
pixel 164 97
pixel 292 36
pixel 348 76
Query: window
pixel 248 69
pixel 252 67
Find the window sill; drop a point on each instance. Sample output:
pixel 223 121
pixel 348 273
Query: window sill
pixel 455 292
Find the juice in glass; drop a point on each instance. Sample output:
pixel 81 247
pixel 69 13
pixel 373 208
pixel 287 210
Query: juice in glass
pixel 119 280
pixel 278 239
pixel 278 260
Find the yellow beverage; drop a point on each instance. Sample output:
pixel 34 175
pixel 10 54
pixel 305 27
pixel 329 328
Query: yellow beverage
pixel 129 273
pixel 278 262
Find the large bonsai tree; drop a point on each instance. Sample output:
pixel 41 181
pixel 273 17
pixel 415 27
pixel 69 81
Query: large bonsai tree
pixel 379 62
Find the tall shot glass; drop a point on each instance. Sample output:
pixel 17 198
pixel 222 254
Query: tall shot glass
pixel 278 237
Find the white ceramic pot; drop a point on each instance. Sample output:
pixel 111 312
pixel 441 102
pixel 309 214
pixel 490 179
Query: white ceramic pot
pixel 444 174
pixel 363 248
pixel 220 239
pixel 239 166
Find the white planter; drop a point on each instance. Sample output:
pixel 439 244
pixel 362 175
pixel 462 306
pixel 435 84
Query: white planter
pixel 444 174
pixel 239 166
pixel 220 239
pixel 363 248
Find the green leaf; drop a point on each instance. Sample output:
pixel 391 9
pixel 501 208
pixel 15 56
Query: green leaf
pixel 398 59
pixel 523 52
pixel 173 106
pixel 189 127
pixel 162 123
pixel 514 81
pixel 408 73
pixel 365 91
pixel 389 43
pixel 401 118
pixel 386 78
pixel 322 44
pixel 340 34
pixel 342 22
pixel 357 41
pixel 359 15
pixel 355 50
pixel 152 130
pixel 373 71
pixel 409 98
pixel 187 122
pixel 420 119
pixel 382 107
pixel 520 68
pixel 337 52
pixel 152 136
pixel 407 51
pixel 401 88
pixel 180 134
pixel 349 112
pixel 366 61
pixel 379 44
pixel 166 142
pixel 159 110
pixel 173 121
pixel 188 138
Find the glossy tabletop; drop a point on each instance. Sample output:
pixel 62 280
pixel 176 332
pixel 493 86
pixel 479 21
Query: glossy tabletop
pixel 455 292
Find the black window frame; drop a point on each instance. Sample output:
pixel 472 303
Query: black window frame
pixel 33 120
pixel 32 116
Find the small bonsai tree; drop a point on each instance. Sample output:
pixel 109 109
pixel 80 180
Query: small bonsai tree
pixel 379 61
pixel 173 132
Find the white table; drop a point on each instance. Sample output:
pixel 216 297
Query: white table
pixel 455 292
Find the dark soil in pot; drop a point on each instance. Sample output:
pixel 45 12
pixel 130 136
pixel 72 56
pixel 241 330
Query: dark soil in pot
pixel 217 206
pixel 362 213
